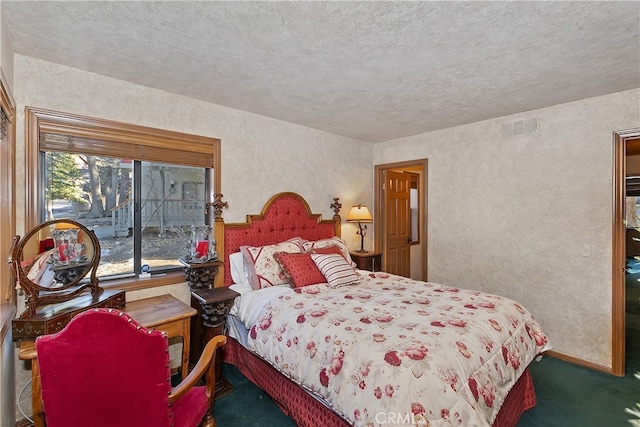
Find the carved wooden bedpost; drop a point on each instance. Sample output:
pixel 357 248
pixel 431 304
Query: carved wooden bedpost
pixel 336 206
pixel 218 232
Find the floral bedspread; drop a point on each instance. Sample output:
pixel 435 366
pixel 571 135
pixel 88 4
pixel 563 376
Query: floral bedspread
pixel 394 351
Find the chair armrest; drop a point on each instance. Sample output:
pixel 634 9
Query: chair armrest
pixel 205 365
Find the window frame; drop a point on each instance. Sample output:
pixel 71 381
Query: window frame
pixel 7 208
pixel 145 143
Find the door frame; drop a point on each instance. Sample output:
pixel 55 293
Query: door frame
pixel 618 267
pixel 378 207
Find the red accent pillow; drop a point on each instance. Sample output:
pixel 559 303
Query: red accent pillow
pixel 299 269
pixel 309 246
pixel 328 250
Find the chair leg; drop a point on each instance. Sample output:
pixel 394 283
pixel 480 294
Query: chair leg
pixel 208 420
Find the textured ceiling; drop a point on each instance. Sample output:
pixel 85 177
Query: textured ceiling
pixel 374 71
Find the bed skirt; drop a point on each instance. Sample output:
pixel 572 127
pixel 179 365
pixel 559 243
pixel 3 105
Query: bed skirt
pixel 306 410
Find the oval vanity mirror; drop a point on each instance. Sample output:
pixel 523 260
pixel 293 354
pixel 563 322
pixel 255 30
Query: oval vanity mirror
pixel 55 262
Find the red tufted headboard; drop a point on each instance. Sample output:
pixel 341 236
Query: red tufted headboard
pixel 284 216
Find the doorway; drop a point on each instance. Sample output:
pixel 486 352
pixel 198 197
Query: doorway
pixel 410 258
pixel 624 143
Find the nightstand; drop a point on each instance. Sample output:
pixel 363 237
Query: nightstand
pixel 212 306
pixel 371 261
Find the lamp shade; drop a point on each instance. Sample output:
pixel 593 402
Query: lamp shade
pixel 359 213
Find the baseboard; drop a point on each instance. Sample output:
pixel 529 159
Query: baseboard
pixel 580 362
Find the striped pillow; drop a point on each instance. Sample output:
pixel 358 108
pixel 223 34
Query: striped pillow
pixel 336 270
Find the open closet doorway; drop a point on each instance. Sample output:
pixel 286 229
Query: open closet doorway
pixel 626 184
pixel 400 213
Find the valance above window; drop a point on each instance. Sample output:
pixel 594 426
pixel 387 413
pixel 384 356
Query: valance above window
pixel 107 138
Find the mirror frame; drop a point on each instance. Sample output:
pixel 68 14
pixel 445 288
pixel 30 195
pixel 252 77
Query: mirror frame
pixel 37 295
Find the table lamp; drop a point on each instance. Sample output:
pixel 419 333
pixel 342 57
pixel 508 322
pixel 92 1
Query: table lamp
pixel 360 214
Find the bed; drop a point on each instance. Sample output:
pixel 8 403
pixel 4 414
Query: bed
pixel 362 348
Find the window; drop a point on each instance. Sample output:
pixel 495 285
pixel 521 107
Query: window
pixel 633 202
pixel 633 212
pixel 124 183
pixel 414 204
pixel 190 190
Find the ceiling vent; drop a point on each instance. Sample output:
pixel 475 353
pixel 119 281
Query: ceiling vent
pixel 519 127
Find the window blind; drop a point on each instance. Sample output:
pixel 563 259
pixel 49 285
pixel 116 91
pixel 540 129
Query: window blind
pixel 112 139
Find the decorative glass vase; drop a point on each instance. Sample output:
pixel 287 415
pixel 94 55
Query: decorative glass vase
pixel 65 244
pixel 200 244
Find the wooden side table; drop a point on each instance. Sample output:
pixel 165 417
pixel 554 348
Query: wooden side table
pixel 164 312
pixel 168 314
pixel 371 261
pixel 212 305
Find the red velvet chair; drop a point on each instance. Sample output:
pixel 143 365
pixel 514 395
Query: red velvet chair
pixel 103 369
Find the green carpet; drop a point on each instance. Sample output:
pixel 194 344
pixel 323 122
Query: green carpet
pixel 568 395
pixel 247 405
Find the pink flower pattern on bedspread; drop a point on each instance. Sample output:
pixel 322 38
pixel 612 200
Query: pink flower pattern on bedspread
pixel 394 351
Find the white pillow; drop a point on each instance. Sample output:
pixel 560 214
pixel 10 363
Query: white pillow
pixel 263 269
pixel 337 270
pixel 239 273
